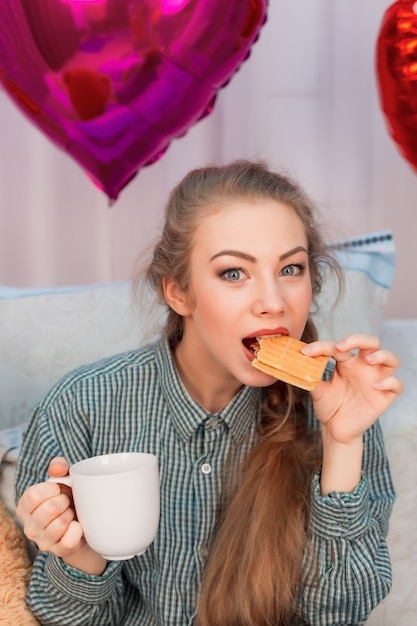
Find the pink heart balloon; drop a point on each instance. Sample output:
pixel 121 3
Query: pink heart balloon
pixel 112 82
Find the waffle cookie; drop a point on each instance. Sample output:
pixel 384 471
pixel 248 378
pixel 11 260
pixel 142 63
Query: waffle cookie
pixel 280 356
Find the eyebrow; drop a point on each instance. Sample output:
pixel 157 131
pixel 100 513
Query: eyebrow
pixel 252 259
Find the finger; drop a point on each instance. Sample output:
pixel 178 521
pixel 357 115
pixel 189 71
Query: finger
pixel 51 509
pixel 58 467
pixel 326 348
pixel 346 348
pixel 47 536
pixel 35 524
pixel 59 525
pixel 63 537
pixel 383 357
pixel 72 539
pixel 391 384
pixel 358 342
pixel 34 496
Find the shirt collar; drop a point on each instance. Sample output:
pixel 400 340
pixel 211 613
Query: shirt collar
pixel 241 415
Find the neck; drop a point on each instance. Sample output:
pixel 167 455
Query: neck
pixel 210 390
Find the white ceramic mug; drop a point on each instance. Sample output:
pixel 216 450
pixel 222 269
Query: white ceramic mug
pixel 116 498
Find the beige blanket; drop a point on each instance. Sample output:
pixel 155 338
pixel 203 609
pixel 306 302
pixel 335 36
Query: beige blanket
pixel 15 568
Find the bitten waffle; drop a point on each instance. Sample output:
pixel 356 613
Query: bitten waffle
pixel 281 357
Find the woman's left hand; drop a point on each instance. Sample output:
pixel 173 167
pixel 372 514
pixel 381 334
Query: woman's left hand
pixel 361 388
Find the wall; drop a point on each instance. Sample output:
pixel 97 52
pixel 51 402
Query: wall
pixel 305 100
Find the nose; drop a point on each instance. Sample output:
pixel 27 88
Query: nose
pixel 269 298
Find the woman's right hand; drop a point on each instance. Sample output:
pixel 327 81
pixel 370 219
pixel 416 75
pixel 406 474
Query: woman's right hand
pixel 48 517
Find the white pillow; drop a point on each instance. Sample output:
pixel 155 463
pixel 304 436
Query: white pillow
pixel 368 262
pixel 45 334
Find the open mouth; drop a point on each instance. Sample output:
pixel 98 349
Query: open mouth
pixel 252 343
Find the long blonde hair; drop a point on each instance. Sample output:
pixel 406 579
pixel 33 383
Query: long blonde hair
pixel 254 569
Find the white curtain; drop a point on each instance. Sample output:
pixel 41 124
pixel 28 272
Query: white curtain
pixel 305 100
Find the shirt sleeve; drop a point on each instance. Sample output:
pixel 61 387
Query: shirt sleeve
pixel 59 594
pixel 347 565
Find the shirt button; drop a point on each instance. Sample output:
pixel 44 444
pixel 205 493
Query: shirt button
pixel 206 468
pixel 213 421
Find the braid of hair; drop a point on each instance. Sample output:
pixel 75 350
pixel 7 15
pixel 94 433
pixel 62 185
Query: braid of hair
pixel 254 568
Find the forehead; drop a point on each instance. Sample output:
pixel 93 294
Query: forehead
pixel 252 225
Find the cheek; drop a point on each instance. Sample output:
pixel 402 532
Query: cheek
pixel 205 306
pixel 214 316
pixel 309 295
pixel 214 313
pixel 302 300
pixel 307 286
pixel 308 301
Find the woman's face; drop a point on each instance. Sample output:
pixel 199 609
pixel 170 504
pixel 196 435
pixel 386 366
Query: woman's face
pixel 249 276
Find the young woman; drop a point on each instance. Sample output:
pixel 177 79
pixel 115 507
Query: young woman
pixel 274 501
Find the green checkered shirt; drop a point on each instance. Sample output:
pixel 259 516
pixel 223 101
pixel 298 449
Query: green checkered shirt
pixel 136 401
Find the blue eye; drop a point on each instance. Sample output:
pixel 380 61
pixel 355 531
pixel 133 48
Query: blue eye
pixel 292 270
pixel 233 274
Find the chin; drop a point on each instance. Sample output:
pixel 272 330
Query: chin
pixel 258 379
pixel 267 383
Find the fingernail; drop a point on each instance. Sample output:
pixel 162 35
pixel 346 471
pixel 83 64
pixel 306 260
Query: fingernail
pixel 340 345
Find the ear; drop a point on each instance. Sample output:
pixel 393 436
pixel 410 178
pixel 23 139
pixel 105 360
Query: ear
pixel 175 297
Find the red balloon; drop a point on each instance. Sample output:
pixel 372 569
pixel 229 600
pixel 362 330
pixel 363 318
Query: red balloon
pixel 112 82
pixel 396 63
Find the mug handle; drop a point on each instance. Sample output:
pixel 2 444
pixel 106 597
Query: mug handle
pixel 63 480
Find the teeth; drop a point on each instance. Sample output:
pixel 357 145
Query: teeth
pixel 254 345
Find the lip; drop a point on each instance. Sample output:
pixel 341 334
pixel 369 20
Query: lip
pixel 262 332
